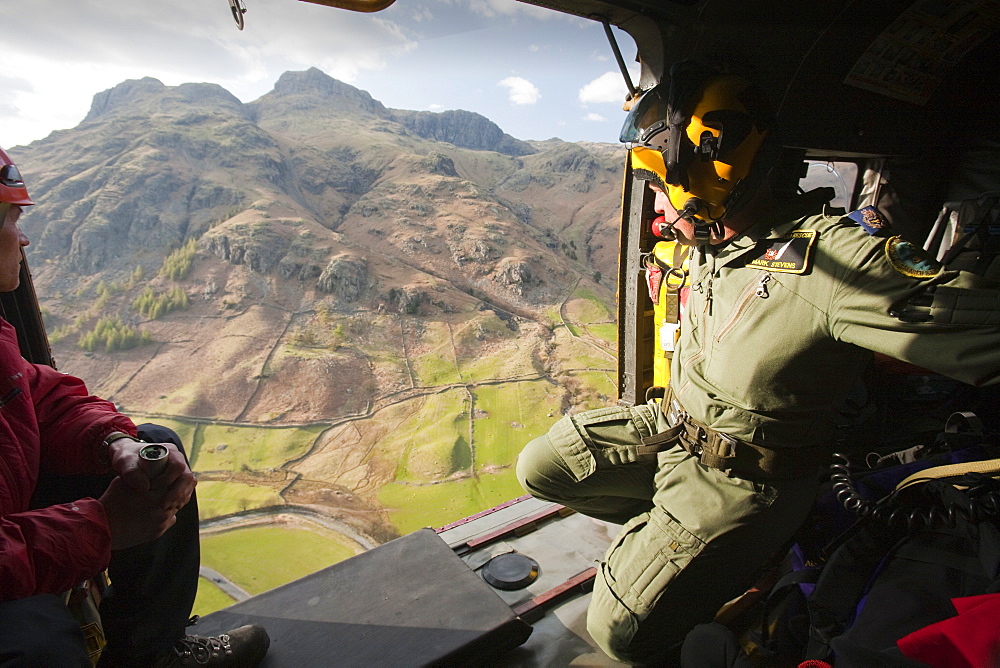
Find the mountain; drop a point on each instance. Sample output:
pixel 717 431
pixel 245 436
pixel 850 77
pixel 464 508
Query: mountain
pixel 315 191
pixel 313 259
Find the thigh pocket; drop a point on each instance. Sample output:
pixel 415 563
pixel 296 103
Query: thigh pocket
pixel 611 435
pixel 644 559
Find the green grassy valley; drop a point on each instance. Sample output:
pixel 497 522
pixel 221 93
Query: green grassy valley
pixel 439 456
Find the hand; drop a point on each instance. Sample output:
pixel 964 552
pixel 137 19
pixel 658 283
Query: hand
pixel 134 517
pixel 171 489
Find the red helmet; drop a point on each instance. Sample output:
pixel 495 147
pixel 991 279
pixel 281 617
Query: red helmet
pixel 12 188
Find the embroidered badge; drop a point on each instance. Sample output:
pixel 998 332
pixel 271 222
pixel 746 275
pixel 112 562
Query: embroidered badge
pixel 790 254
pixel 910 260
pixel 871 221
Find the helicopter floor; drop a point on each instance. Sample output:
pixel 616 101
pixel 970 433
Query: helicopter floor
pixel 421 600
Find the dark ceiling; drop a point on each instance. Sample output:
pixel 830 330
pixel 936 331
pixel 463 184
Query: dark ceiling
pixel 849 77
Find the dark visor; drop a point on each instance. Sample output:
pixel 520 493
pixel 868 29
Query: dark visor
pixel 646 119
pixel 10 177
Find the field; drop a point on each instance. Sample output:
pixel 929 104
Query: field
pixel 238 448
pixel 476 389
pixel 217 498
pixel 259 559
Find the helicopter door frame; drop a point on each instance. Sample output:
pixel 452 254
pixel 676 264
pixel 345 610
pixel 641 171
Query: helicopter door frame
pixel 635 310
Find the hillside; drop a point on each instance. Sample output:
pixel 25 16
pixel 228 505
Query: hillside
pixel 385 299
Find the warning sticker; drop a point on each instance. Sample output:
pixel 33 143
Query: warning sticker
pixel 912 56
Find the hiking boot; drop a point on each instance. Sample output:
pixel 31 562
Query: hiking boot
pixel 244 647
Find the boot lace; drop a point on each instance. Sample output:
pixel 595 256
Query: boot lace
pixel 199 649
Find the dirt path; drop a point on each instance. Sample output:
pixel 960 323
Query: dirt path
pixel 267 516
pixel 584 335
pixel 224 583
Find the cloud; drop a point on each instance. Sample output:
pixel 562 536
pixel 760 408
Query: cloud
pixel 199 41
pixel 10 84
pixel 609 87
pixel 495 8
pixel 521 91
pixel 63 53
pixel 597 118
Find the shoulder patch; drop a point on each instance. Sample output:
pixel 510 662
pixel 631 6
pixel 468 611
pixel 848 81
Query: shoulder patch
pixel 909 259
pixel 790 254
pixel 871 221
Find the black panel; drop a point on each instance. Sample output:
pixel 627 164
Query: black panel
pixel 409 602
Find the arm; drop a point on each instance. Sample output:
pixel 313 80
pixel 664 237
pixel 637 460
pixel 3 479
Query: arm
pixel 71 423
pixel 950 322
pixel 50 550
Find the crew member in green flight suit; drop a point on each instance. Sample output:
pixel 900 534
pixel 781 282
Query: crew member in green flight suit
pixel 785 308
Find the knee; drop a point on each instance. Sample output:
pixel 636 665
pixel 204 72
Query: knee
pixel 526 467
pixel 610 624
pixel 618 639
pixel 538 469
pixel 40 631
pixel 607 639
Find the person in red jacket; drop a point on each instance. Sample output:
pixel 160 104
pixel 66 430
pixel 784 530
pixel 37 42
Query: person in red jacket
pixel 75 501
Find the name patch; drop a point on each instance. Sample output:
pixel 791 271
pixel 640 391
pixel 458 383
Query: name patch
pixel 791 254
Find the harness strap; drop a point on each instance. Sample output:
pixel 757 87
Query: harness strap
pixel 733 456
pixel 660 442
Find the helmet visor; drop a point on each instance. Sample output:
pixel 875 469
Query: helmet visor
pixel 10 176
pixel 646 119
pixel 12 188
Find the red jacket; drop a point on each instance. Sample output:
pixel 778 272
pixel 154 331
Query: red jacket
pixel 48 422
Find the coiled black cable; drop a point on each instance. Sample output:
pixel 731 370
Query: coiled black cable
pixel 980 500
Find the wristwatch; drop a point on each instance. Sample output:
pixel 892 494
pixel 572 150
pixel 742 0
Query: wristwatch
pixel 108 440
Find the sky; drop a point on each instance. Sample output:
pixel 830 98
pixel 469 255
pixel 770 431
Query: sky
pixel 535 72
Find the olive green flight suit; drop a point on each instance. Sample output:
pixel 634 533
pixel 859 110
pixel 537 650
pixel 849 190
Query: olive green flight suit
pixel 778 326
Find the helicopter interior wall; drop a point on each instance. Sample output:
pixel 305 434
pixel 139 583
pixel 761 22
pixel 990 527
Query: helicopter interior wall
pixel 958 157
pixel 803 55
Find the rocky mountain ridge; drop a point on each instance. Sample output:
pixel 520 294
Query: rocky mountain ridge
pixel 315 198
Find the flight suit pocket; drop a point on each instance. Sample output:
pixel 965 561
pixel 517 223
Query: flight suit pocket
pixel 645 558
pixel 613 434
pixel 603 437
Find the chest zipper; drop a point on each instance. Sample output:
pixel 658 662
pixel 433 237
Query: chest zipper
pixel 761 290
pixel 752 292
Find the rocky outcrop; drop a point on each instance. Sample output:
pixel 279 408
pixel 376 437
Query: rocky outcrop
pixel 437 163
pixel 296 92
pixel 515 275
pixel 408 299
pixel 345 277
pixel 134 95
pixel 461 128
pixel 124 93
pixel 256 246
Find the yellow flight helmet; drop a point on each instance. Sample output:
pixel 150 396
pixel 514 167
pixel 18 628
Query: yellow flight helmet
pixel 698 136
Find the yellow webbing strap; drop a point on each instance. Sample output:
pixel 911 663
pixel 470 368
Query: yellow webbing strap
pixel 672 258
pixel 990 467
